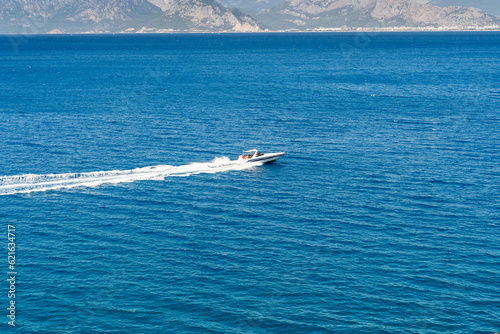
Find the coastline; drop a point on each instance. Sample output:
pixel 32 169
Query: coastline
pixel 291 31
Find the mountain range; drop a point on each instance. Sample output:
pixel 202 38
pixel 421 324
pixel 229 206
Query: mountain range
pixel 76 16
pixel 490 6
pixel 315 14
pixel 73 16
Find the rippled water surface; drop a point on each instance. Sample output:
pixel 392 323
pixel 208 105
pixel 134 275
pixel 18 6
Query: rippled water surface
pixel 118 172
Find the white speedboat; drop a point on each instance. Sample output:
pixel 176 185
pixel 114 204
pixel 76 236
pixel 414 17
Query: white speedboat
pixel 256 156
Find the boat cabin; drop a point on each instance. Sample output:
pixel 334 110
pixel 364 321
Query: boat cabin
pixel 251 154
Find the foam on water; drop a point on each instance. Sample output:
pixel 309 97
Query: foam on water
pixel 27 183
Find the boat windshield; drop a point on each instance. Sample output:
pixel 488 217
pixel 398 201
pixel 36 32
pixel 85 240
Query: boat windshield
pixel 252 154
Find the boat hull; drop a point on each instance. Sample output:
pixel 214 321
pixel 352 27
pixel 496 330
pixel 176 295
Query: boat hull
pixel 268 157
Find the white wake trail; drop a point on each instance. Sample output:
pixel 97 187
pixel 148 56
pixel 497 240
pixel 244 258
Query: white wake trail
pixel 27 183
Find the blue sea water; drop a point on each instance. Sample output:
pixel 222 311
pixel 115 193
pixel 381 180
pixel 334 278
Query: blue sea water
pixel 117 170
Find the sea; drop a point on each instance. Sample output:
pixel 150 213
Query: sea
pixel 123 208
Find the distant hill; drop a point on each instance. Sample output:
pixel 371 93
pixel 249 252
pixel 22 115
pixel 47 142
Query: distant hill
pixel 314 14
pixel 201 15
pixel 251 7
pixel 41 16
pixel 490 6
pixel 74 16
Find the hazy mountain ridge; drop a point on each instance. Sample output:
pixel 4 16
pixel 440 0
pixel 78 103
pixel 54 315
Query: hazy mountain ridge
pixel 254 6
pixel 251 7
pixel 39 16
pixel 314 14
pixel 489 6
pixel 207 14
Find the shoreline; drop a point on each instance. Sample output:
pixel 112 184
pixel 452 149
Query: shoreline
pixel 315 31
